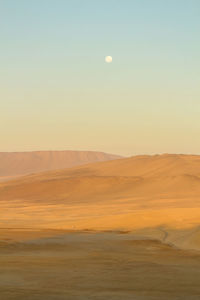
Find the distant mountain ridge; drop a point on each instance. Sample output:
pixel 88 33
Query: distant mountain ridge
pixel 22 163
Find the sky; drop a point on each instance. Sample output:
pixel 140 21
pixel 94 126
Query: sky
pixel 58 93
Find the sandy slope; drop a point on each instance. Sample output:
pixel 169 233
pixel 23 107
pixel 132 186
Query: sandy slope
pixel 20 163
pixel 136 193
pixel 96 266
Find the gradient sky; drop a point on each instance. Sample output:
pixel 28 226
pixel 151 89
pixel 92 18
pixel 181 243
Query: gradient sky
pixel 57 92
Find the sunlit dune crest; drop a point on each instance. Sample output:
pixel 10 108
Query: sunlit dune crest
pixel 126 194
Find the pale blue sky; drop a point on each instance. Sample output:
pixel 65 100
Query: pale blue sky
pixel 58 93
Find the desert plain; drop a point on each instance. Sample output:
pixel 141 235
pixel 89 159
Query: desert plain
pixel 125 228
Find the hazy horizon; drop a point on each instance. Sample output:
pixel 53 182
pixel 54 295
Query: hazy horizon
pixel 114 153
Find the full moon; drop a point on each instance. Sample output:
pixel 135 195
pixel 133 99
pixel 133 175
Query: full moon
pixel 108 59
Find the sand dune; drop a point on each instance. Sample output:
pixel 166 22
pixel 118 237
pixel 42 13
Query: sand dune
pixel 121 229
pixel 21 163
pixel 161 191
